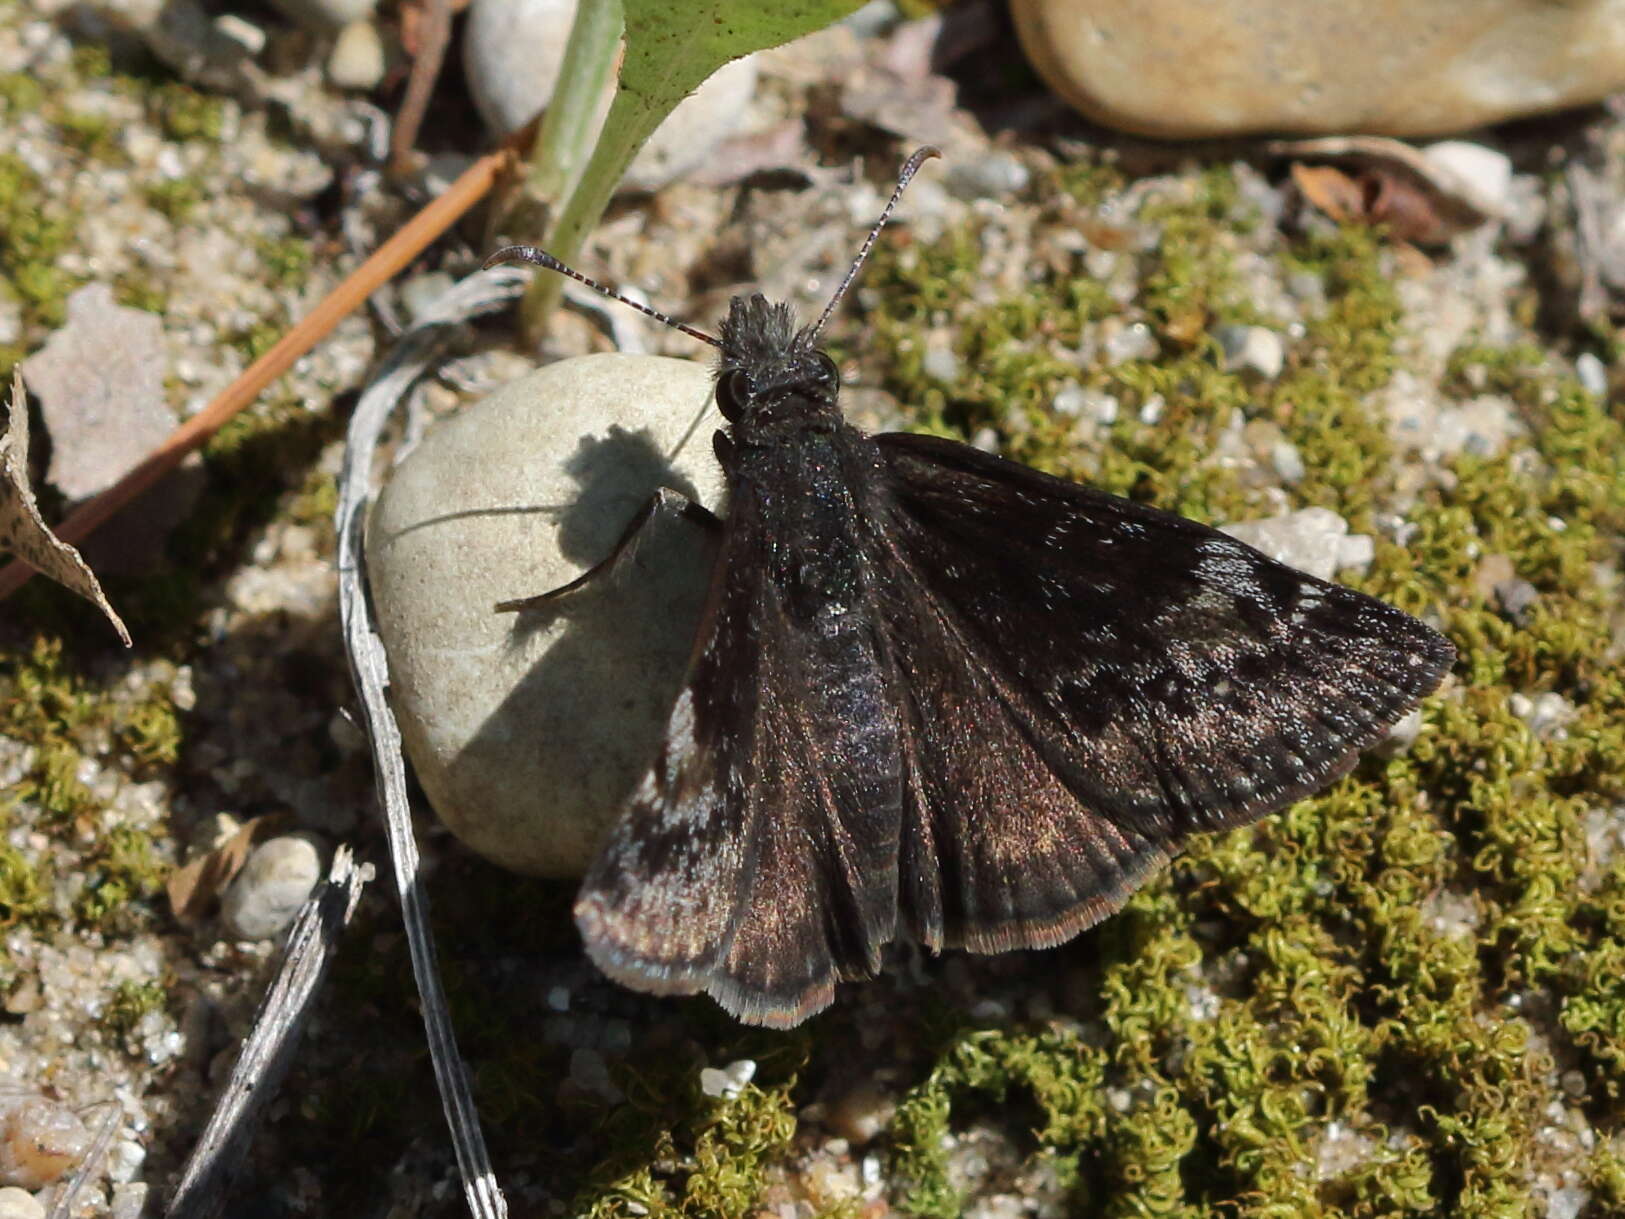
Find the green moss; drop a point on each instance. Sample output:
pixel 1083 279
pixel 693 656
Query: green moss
pixel 130 1002
pixel 35 230
pixel 21 92
pixel 46 703
pixel 94 135
pixel 22 891
pixel 175 198
pixel 121 869
pixel 183 113
pixel 286 260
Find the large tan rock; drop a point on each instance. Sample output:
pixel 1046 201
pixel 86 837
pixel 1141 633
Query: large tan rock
pixel 1192 68
pixel 528 731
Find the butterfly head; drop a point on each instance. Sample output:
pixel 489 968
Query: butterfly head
pixel 767 365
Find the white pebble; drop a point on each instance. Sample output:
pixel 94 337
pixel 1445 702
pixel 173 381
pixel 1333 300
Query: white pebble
pixel 728 1082
pixel 357 58
pixel 274 883
pixel 1252 348
pixel 1481 175
pixel 1592 373
pixel 19 1204
pixel 1132 342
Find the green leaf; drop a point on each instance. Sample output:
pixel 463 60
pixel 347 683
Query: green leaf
pixel 671 48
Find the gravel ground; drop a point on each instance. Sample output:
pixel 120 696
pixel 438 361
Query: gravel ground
pixel 228 205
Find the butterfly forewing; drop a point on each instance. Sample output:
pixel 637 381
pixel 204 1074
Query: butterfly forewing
pixel 1171 677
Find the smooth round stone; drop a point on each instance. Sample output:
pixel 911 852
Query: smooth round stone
pixel 277 879
pixel 512 51
pixel 1193 68
pixel 529 730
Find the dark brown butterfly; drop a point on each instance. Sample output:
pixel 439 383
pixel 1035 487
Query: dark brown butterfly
pixel 940 695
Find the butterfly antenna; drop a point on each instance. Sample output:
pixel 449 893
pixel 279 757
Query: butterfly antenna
pixel 910 168
pixel 530 253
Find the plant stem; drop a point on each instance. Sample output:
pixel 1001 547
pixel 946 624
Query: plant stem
pixel 632 119
pixel 571 119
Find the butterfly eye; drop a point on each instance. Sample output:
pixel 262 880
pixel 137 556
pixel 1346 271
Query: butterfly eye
pixel 734 390
pixel 828 370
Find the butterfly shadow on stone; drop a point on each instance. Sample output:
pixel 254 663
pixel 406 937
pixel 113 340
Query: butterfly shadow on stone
pixel 596 703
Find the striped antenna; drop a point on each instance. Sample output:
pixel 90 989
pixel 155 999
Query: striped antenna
pixel 910 168
pixel 531 254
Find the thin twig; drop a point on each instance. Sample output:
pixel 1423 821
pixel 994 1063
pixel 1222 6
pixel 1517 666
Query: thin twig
pixel 391 257
pixel 434 32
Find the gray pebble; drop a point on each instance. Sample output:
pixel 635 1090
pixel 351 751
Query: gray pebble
pixel 529 731
pixel 998 175
pixel 1313 540
pixel 1592 373
pixel 1252 349
pixel 275 881
pixel 357 60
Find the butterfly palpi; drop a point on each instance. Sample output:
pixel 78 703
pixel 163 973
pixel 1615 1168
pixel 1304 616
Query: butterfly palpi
pixel 943 696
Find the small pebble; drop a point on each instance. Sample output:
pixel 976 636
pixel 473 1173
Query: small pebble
pixel 274 883
pixel 1313 540
pixel 1482 175
pixel 1548 714
pixel 728 1082
pixel 861 1113
pixel 41 1141
pixel 1132 342
pixel 241 31
pixel 1592 373
pixel 1288 462
pixel 1252 348
pixel 1402 735
pixel 129 1200
pixel 357 59
pixel 19 1204
pixel 939 362
pixel 1151 410
pixel 998 175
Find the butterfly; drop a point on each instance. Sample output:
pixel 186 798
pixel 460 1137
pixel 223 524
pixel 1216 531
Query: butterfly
pixel 939 695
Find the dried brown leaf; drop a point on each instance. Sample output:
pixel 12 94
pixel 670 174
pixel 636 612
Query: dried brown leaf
pixel 195 885
pixel 23 531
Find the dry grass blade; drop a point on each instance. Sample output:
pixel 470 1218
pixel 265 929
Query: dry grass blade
pixel 269 1050
pixel 478 293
